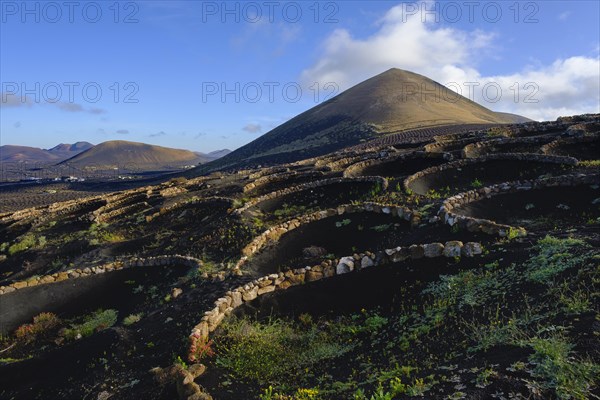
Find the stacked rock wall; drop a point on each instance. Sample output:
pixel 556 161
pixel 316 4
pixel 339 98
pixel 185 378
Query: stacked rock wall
pixel 448 215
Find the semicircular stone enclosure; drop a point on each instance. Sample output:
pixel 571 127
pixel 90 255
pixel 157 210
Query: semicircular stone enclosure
pixel 313 196
pixel 396 165
pixel 339 235
pixel 539 209
pixel 124 290
pixel 373 294
pixel 464 175
pixel 507 145
pixel 583 148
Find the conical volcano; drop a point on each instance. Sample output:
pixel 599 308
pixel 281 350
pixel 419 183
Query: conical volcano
pixel 392 101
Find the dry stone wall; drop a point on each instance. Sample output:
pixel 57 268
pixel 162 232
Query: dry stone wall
pixel 355 169
pixel 441 147
pixel 268 171
pixel 101 269
pixel 51 211
pixel 309 185
pixel 279 177
pixel 273 234
pixel 501 156
pixel 478 149
pixel 551 147
pixel 448 215
pixel 186 203
pixel 225 305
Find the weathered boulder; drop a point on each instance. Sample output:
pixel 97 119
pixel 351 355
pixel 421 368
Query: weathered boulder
pixel 433 250
pixel 366 262
pixel 471 249
pixel 416 251
pixel 453 248
pixel 345 265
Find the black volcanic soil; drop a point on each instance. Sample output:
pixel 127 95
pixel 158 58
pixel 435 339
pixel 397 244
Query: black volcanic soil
pixel 402 167
pixel 316 198
pixel 446 339
pixel 540 209
pixel 470 176
pixel 345 235
pixel 124 290
pixel 581 151
pixel 282 184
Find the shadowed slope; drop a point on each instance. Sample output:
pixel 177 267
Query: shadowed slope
pixel 389 102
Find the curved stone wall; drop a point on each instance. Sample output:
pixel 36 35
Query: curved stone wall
pixel 189 202
pixel 268 171
pixel 354 169
pixel 343 163
pixel 279 177
pixel 551 147
pixel 55 209
pixel 442 147
pixel 101 269
pixel 501 156
pixel 447 214
pixel 479 149
pixel 309 185
pixel 273 234
pixel 225 305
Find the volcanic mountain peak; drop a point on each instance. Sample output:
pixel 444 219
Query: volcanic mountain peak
pixel 145 156
pixel 393 101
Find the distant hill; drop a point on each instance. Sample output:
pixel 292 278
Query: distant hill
pixel 141 155
pixel 218 153
pixel 75 147
pixel 513 118
pixel 389 102
pixel 32 155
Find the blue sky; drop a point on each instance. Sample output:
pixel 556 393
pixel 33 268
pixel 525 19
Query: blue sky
pixel 171 60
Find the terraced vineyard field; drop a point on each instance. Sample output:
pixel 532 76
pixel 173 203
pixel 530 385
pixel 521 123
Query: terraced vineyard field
pixel 379 272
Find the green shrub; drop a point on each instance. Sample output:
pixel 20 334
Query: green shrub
pixel 381 228
pixel 27 241
pixel 265 351
pixel 41 324
pixel 571 378
pixel 343 222
pixel 132 319
pixel 476 184
pixel 553 257
pixel 94 322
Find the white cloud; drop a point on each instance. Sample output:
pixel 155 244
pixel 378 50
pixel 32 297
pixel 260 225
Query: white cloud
pixel 564 15
pixel 9 100
pixel 567 86
pixel 252 128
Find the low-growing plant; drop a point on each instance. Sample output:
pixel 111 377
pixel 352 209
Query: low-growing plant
pixel 41 324
pixel 569 377
pixel 381 228
pixel 288 210
pixel 92 323
pixel 26 242
pixel 553 257
pixel 201 349
pixel 476 184
pixel 343 222
pixel 265 351
pixel 132 319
